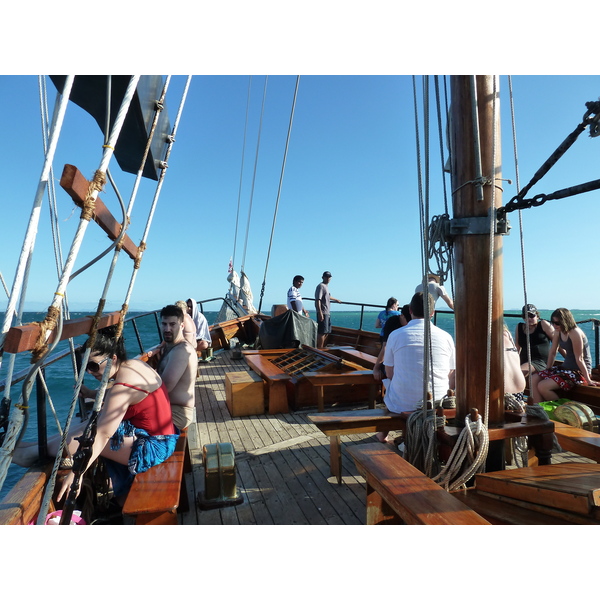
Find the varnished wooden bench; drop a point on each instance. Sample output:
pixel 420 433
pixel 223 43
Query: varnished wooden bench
pixel 348 422
pixel 22 504
pixel 582 442
pixel 398 493
pixel 158 494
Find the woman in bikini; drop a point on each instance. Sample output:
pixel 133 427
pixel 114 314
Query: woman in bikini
pixel 135 428
pixel 577 365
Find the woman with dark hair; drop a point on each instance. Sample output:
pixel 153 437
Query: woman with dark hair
pixel 391 309
pixel 393 323
pixel 540 333
pixel 577 365
pixel 135 428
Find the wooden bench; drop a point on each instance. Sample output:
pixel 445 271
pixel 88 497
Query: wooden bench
pixel 582 442
pixel 349 422
pixel 22 504
pixel 320 381
pixel 398 493
pixel 159 493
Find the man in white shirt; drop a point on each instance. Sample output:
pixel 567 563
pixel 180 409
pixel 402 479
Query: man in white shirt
pixel 294 299
pixel 404 361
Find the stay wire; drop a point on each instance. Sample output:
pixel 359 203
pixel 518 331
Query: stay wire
pixel 237 215
pixel 521 230
pixel 262 111
pixel 285 153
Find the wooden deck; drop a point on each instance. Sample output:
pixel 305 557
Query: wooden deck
pixel 282 463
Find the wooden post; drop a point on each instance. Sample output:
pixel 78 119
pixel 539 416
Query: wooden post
pixel 472 252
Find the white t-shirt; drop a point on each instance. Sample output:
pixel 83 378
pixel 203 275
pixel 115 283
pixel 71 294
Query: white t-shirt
pixel 202 331
pixel 405 352
pixel 294 294
pixel 435 289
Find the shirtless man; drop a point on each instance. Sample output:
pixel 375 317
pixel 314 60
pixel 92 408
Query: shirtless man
pixel 177 366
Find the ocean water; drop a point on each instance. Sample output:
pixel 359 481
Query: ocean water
pixel 60 379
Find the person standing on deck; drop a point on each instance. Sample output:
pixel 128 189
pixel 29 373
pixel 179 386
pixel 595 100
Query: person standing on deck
pixel 177 366
pixel 404 361
pixel 294 299
pixel 323 304
pixel 436 290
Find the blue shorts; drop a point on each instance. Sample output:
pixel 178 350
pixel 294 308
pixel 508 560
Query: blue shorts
pixel 324 326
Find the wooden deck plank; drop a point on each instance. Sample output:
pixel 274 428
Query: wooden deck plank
pixel 282 461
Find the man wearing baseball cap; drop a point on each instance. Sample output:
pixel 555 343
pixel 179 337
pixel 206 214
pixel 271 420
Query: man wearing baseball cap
pixel 322 304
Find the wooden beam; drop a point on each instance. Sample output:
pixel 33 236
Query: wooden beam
pixel 76 185
pixel 472 254
pixel 24 337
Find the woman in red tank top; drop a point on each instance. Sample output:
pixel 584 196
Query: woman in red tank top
pixel 134 429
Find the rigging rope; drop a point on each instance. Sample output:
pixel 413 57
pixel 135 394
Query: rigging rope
pixel 262 110
pixel 83 453
pixel 237 215
pixel 521 234
pixel 22 272
pixel 285 153
pixel 53 317
pixel 21 277
pixel 492 241
pixel 467 457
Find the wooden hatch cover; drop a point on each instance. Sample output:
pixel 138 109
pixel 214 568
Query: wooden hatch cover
pixel 307 359
pixel 573 487
pixel 301 360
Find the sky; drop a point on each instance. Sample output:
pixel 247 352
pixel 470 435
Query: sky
pixel 348 201
pixel 349 198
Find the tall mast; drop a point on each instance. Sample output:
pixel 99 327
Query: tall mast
pixel 472 248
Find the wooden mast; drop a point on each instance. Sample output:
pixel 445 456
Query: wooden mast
pixel 472 254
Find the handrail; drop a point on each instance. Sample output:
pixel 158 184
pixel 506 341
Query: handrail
pixel 362 309
pixel 20 376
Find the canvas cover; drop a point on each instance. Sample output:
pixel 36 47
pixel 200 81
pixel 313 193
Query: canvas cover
pixel 288 330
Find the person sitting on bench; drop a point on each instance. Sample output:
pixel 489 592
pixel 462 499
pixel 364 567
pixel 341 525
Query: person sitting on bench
pixel 135 428
pixel 177 366
pixel 404 361
pixel 203 339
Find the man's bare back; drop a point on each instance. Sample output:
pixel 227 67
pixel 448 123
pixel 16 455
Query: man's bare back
pixel 177 369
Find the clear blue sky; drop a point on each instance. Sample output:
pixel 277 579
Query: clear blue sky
pixel 349 200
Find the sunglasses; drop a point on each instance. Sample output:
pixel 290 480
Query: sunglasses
pixel 531 315
pixel 94 367
pixel 555 323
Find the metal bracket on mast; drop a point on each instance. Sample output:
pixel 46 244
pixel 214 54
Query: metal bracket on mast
pixel 477 226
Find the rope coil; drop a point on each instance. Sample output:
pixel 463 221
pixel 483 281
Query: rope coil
pixel 96 185
pixel 467 457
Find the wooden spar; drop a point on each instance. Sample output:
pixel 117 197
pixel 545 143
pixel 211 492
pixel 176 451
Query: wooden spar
pixel 472 252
